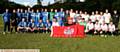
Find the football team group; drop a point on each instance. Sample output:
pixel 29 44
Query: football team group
pixel 41 20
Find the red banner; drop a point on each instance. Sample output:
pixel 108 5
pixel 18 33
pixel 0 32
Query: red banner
pixel 68 31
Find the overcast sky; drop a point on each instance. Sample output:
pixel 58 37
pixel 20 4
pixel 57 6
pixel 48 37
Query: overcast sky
pixel 32 2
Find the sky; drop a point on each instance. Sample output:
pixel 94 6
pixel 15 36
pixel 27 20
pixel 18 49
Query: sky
pixel 32 2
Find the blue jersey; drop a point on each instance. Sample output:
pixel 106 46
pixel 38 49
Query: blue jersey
pixel 22 24
pixel 37 18
pixel 45 16
pixel 19 15
pixel 26 15
pixel 6 17
pixel 40 25
pixel 48 25
pixel 33 16
pixel 31 24
pixel 56 15
pixel 61 14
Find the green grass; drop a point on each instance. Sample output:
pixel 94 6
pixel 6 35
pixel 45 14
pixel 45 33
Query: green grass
pixel 48 44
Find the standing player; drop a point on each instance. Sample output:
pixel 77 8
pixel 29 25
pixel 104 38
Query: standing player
pixel 18 15
pixel 6 19
pixel 37 18
pixel 56 14
pixel 107 16
pixel 45 16
pixel 33 15
pixel 102 18
pixel 115 20
pixel 86 16
pixel 14 20
pixel 51 14
pixel 61 17
pixel 93 18
pixel 97 16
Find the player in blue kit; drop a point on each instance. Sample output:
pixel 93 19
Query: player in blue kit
pixel 48 25
pixel 44 16
pixel 31 26
pixel 40 26
pixel 6 19
pixel 22 26
pixel 37 18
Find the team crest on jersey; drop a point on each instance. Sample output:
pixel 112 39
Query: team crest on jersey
pixel 69 31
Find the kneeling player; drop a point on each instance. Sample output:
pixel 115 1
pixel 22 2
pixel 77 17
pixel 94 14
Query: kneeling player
pixel 40 27
pixel 31 26
pixel 104 29
pixel 48 26
pixel 22 26
pixel 89 28
pixel 111 27
pixel 97 28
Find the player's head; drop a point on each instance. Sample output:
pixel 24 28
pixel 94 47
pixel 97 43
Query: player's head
pixel 61 9
pixel 51 10
pixel 54 20
pixel 71 10
pixel 76 11
pixel 85 12
pixel 6 10
pixel 93 13
pixel 25 11
pixel 47 21
pixel 40 21
pixel 101 13
pixel 96 22
pixel 96 12
pixel 14 11
pixel 111 23
pixel 80 12
pixel 23 20
pixel 31 20
pixel 21 10
pixel 67 11
pixel 45 10
pixel 37 10
pixel 18 10
pixel 83 20
pixel 115 11
pixel 106 10
pixel 55 10
pixel 32 10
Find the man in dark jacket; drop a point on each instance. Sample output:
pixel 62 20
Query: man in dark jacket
pixel 14 20
pixel 115 18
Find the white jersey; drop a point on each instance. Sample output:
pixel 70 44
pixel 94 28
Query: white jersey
pixel 86 17
pixel 107 17
pixel 93 18
pixel 89 26
pixel 97 17
pixel 104 27
pixel 111 27
pixel 55 24
pixel 97 27
pixel 102 18
pixel 72 14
